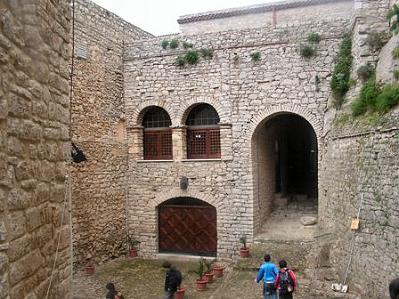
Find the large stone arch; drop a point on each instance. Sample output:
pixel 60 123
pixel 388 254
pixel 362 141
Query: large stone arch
pixel 185 109
pixel 138 112
pixel 166 194
pixel 262 193
pixel 270 111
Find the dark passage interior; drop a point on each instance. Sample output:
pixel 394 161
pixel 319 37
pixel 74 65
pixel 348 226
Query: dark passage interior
pixel 284 152
pixel 295 156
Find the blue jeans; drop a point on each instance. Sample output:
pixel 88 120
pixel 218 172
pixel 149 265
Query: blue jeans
pixel 269 291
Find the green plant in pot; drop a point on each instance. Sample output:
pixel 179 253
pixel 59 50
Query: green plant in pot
pixel 199 270
pixel 133 244
pixel 208 273
pixel 244 250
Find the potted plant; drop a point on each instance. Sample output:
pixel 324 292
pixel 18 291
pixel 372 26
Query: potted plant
pixel 89 268
pixel 244 251
pixel 218 271
pixel 180 293
pixel 200 282
pixel 133 243
pixel 208 274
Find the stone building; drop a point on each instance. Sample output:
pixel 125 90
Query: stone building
pixel 188 159
pixel 34 148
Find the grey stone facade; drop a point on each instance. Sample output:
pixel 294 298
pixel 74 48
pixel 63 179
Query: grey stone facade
pixel 98 129
pixel 34 148
pixel 245 94
pixel 121 71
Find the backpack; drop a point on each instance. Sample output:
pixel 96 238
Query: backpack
pixel 286 283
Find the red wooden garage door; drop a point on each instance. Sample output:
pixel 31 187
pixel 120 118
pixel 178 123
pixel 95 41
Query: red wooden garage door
pixel 187 229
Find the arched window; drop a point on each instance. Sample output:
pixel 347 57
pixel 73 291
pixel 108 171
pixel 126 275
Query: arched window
pixel 203 134
pixel 157 135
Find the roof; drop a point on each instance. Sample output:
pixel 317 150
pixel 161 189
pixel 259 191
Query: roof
pixel 253 9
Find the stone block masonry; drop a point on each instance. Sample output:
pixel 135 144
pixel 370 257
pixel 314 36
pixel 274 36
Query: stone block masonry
pixel 34 148
pixel 98 129
pixel 245 94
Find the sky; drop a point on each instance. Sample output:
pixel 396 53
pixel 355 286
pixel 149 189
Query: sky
pixel 160 16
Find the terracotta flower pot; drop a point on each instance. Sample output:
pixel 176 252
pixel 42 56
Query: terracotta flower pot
pixel 200 285
pixel 208 277
pixel 180 293
pixel 89 270
pixel 133 252
pixel 218 271
pixel 244 252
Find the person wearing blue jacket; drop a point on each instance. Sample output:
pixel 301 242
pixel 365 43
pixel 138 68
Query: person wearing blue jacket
pixel 268 272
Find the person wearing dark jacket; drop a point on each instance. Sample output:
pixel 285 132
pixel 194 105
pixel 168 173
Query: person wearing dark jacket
pixel 172 280
pixel 394 289
pixel 112 292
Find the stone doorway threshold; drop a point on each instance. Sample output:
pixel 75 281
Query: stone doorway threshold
pixel 284 224
pixel 182 257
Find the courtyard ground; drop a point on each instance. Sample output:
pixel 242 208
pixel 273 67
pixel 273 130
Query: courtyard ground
pixel 143 279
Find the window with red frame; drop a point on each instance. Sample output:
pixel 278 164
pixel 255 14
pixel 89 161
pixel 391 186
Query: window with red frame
pixel 157 135
pixel 203 134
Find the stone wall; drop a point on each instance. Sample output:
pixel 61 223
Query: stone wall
pixel 245 95
pixel 34 148
pixel 283 16
pixel 98 128
pixel 360 170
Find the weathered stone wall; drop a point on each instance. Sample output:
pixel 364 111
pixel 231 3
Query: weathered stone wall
pixel 245 94
pixel 360 169
pixel 34 148
pixel 287 17
pixel 98 128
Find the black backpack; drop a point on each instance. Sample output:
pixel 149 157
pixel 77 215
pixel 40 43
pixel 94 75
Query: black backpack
pixel 286 283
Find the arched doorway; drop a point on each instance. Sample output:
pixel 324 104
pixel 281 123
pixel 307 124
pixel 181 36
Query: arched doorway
pixel 187 226
pixel 284 151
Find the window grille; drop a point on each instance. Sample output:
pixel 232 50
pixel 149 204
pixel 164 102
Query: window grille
pixel 157 135
pixel 158 145
pixel 203 143
pixel 203 134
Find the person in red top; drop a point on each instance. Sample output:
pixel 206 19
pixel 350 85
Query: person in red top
pixel 285 281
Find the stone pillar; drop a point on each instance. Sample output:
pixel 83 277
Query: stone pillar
pixel 226 141
pixel 179 143
pixel 135 142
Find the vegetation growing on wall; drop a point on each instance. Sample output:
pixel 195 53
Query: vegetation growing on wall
pixel 365 72
pixel 164 44
pixel 192 57
pixel 373 98
pixel 341 74
pixel 174 44
pixel 309 50
pixel 255 56
pixel 394 13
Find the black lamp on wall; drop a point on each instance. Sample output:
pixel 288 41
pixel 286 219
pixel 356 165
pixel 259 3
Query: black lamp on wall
pixel 183 183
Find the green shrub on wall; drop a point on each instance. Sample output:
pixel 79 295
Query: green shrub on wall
pixel 255 56
pixel 180 60
pixel 164 44
pixel 393 17
pixel 341 74
pixel 206 53
pixel 174 44
pixel 373 98
pixel 365 72
pixel 314 38
pixel 307 51
pixel 192 57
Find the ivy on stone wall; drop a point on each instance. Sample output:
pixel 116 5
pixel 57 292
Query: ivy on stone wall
pixel 341 74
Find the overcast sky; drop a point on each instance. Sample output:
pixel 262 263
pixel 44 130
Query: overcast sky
pixel 160 16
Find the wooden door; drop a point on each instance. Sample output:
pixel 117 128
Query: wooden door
pixel 187 229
